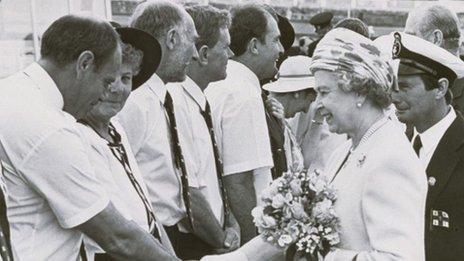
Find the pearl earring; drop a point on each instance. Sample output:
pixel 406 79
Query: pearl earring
pixel 358 104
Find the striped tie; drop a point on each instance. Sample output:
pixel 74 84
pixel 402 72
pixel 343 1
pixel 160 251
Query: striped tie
pixel 219 167
pixel 178 157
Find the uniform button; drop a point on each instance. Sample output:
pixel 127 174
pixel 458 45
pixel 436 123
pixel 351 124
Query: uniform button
pixel 432 181
pixel 279 150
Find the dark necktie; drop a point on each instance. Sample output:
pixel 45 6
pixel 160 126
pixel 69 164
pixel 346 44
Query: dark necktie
pixel 219 167
pixel 118 150
pixel 5 246
pixel 178 157
pixel 417 144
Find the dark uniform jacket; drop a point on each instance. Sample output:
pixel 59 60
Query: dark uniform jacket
pixel 444 217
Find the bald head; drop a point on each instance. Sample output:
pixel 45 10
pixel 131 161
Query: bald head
pixel 174 29
pixel 436 24
pixel 158 17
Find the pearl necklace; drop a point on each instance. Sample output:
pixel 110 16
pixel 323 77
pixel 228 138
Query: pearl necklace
pixel 376 126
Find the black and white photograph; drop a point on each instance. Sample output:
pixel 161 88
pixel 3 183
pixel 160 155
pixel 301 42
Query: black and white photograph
pixel 231 130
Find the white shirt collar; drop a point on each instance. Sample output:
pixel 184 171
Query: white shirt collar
pixel 195 92
pixel 432 136
pixel 46 85
pixel 244 72
pixel 158 87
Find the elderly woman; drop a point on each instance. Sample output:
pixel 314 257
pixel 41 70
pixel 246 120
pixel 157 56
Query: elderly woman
pixel 380 182
pixel 108 143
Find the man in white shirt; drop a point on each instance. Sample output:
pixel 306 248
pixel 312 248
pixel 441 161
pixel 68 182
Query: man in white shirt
pixel 216 229
pixel 422 100
pixel 53 193
pixel 148 119
pixel 238 111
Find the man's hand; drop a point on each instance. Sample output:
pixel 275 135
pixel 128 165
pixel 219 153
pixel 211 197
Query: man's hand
pixel 232 235
pixel 232 227
pixel 231 241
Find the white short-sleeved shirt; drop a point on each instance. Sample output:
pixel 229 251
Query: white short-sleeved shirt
pixel 51 183
pixel 118 185
pixel 240 123
pixel 189 101
pixel 147 127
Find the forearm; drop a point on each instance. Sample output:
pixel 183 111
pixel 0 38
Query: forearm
pixel 205 224
pixel 140 245
pixel 123 239
pixel 242 200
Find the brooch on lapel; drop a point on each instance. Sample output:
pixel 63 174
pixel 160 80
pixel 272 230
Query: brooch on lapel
pixel 361 160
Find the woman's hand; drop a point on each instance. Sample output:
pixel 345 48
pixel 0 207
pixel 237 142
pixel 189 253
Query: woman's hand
pixel 315 113
pixel 276 108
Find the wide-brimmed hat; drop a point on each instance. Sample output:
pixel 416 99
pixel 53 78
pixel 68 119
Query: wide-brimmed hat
pixel 151 49
pixel 287 33
pixel 294 75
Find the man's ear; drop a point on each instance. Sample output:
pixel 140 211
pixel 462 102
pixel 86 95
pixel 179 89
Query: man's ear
pixel 253 46
pixel 438 37
pixel 85 62
pixel 442 89
pixel 203 55
pixel 172 38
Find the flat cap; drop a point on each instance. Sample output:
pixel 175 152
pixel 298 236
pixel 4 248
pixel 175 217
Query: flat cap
pixel 418 56
pixel 321 19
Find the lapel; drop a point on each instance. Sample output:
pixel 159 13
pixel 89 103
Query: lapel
pixel 445 157
pixel 336 163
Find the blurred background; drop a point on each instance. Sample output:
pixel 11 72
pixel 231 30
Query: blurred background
pixel 22 22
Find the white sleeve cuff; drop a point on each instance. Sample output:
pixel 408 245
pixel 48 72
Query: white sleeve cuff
pixel 85 215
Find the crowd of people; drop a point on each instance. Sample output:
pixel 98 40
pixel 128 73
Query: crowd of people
pixel 153 141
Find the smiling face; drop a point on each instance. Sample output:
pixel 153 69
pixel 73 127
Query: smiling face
pixel 337 106
pixel 270 49
pixel 113 99
pixel 412 101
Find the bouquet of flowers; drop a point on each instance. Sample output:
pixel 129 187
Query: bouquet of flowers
pixel 299 210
